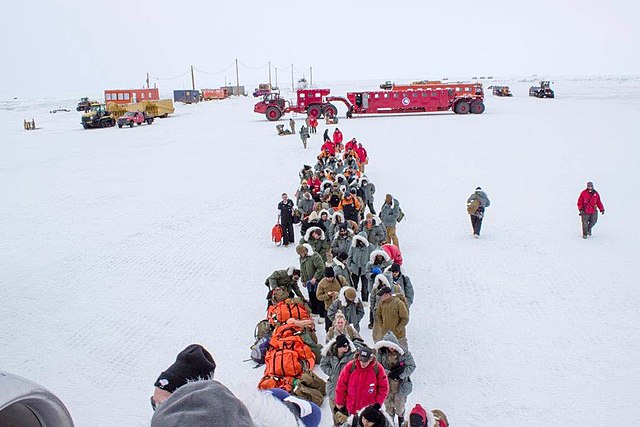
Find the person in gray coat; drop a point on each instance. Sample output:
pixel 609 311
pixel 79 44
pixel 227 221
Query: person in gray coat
pixel 481 202
pixel 340 266
pixel 335 355
pixel 342 241
pixel 305 204
pixel 389 214
pixel 349 303
pixel 374 230
pixel 395 276
pixel 336 220
pixel 367 189
pixel 357 263
pixel 399 365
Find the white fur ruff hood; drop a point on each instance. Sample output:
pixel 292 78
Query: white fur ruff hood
pixel 309 249
pixel 343 299
pixel 310 230
pixel 265 409
pixel 377 252
pixel 327 348
pixel 335 215
pixel 360 238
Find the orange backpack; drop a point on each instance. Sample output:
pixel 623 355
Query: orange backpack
pixel 285 339
pixel 284 310
pixel 284 361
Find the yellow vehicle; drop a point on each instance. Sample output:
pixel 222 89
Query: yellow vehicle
pixel 153 108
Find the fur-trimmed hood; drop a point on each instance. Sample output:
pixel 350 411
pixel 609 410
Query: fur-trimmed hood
pixel 337 214
pixel 339 263
pixel 290 270
pixel 380 281
pixel 310 230
pixel 343 299
pixel 361 238
pixel 310 250
pixel 362 179
pixel 389 341
pixel 377 252
pixel 265 409
pixel 324 211
pixel 340 175
pixel 327 183
pixel 376 221
pixel 388 271
pixel 327 348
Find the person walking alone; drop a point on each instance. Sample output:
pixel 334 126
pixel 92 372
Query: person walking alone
pixel 588 204
pixel 476 204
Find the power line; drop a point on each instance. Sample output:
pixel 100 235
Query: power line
pixel 216 72
pixel 254 68
pixel 170 78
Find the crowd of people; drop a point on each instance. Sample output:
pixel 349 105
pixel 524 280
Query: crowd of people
pixel 349 263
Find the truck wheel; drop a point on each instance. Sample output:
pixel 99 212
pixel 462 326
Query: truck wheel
pixel 120 126
pixel 149 121
pixel 273 114
pixel 314 111
pixel 461 107
pixel 86 126
pixel 131 124
pixel 477 107
pixel 330 108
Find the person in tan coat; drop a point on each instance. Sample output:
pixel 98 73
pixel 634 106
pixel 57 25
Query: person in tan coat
pixel 328 290
pixel 391 315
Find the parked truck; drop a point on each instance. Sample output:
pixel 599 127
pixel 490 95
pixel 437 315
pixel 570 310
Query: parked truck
pixel 85 104
pixel 131 118
pixel 262 90
pixel 542 91
pixel 97 117
pixel 501 91
pixel 308 101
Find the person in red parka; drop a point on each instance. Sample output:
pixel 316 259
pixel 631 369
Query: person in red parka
pixel 313 122
pixel 588 204
pixel 362 382
pixel 351 145
pixel 330 147
pixel 337 136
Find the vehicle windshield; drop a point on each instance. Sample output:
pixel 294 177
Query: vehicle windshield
pixel 130 114
pixel 97 108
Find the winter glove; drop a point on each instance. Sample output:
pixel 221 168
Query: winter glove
pixel 394 374
pixel 580 213
pixel 340 416
pixel 602 212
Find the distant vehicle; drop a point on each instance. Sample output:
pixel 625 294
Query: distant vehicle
pixel 542 91
pixel 131 118
pixel 59 110
pixel 25 403
pixel 85 104
pixel 502 91
pixel 98 117
pixel 302 83
pixel 482 78
pixel 474 78
pixel 386 85
pixel 262 90
pixel 490 78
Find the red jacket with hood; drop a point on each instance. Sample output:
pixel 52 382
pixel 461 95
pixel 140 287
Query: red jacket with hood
pixel 337 136
pixel 362 387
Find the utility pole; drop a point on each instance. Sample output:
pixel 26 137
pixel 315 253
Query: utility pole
pixel 277 77
pixel 237 79
pixel 147 80
pixel 193 80
pixel 269 74
pixel 310 77
pixel 292 88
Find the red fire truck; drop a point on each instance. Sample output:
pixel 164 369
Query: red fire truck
pixel 461 98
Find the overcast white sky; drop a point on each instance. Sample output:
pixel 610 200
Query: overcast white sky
pixel 56 46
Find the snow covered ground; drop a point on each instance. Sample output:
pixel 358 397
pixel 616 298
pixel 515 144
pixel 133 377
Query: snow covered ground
pixel 119 247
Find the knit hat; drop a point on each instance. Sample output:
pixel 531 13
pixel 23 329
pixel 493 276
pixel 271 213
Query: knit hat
pixel 478 188
pixel 589 184
pixel 301 250
pixel 350 294
pixel 418 416
pixel 373 414
pixel 395 267
pixel 342 256
pixel 192 363
pixel 328 272
pixel 307 412
pixel 341 341
pixel 384 290
pixel 202 404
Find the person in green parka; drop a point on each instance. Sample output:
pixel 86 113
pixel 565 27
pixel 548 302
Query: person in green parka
pixel 311 272
pixel 286 279
pixel 315 237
